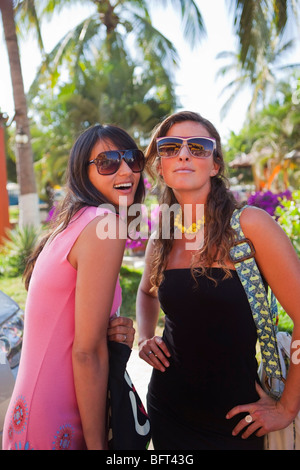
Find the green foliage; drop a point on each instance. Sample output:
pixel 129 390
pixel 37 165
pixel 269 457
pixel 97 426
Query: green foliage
pixel 113 67
pixel 117 92
pixel 129 280
pixel 258 61
pixel 271 135
pixel 289 219
pixel 14 287
pixel 17 249
pixel 285 323
pixel 254 21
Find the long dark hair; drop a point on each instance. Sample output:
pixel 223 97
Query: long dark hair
pixel 80 192
pixel 219 206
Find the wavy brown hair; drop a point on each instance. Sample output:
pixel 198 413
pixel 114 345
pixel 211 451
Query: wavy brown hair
pixel 218 234
pixel 80 192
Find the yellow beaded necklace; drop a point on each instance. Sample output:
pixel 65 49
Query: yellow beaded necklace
pixel 192 229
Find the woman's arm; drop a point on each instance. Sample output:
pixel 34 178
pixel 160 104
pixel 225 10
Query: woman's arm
pixel 98 265
pixel 147 312
pixel 280 266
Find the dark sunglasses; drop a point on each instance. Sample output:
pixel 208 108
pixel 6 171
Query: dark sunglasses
pixel 199 147
pixel 108 163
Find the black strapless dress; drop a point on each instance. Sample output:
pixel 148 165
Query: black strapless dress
pixel 211 335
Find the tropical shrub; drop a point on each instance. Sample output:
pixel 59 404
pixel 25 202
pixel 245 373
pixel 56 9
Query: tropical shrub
pixel 268 201
pixel 18 247
pixel 288 215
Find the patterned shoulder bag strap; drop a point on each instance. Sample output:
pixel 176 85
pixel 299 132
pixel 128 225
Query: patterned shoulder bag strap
pixel 242 255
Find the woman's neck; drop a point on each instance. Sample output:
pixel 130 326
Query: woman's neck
pixel 193 197
pixel 192 205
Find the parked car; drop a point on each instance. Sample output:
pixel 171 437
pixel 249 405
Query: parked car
pixel 13 193
pixel 11 335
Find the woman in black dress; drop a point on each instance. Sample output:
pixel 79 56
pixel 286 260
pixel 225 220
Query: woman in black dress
pixel 204 382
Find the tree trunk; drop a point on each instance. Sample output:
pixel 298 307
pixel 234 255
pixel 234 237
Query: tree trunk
pixel 4 204
pixel 28 199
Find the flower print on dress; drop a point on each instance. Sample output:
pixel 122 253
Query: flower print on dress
pixel 26 446
pixel 10 432
pixel 63 437
pixel 19 415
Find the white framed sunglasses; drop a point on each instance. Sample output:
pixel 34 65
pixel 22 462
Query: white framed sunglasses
pixel 198 147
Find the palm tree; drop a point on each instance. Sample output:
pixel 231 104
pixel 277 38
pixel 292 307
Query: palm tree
pixel 111 26
pixel 26 17
pixel 4 214
pixel 28 201
pixel 102 41
pixel 269 138
pixel 109 80
pixel 260 26
pixel 105 92
pixel 257 23
pixel 253 20
pixel 260 75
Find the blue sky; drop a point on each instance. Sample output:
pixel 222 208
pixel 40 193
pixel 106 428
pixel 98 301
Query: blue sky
pixel 196 87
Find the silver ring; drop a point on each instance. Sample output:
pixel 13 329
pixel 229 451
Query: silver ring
pixel 150 352
pixel 248 419
pixel 125 338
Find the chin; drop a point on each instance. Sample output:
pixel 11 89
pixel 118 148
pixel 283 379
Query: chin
pixel 125 201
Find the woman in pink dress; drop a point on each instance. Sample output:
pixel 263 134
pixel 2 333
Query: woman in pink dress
pixel 59 400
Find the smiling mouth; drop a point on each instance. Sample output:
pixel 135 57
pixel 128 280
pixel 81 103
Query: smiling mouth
pixel 123 186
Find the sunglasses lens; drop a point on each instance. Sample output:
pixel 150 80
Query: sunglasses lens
pixel 108 162
pixel 201 147
pixel 169 147
pixel 135 160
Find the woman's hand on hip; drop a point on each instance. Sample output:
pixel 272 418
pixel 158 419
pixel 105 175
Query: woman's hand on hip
pixel 264 416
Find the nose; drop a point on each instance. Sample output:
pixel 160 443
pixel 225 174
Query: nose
pixel 124 168
pixel 184 155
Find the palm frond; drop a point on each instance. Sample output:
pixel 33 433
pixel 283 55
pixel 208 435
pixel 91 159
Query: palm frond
pixel 280 14
pixel 48 7
pixel 153 42
pixel 68 50
pixel 192 21
pixel 27 18
pixel 251 26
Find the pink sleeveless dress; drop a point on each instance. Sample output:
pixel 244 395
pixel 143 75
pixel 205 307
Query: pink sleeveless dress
pixel 43 412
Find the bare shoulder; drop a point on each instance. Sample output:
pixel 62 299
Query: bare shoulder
pixel 107 226
pixel 267 236
pixel 254 217
pixel 104 237
pixel 257 224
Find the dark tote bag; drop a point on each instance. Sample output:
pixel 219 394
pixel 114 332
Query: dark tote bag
pixel 128 422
